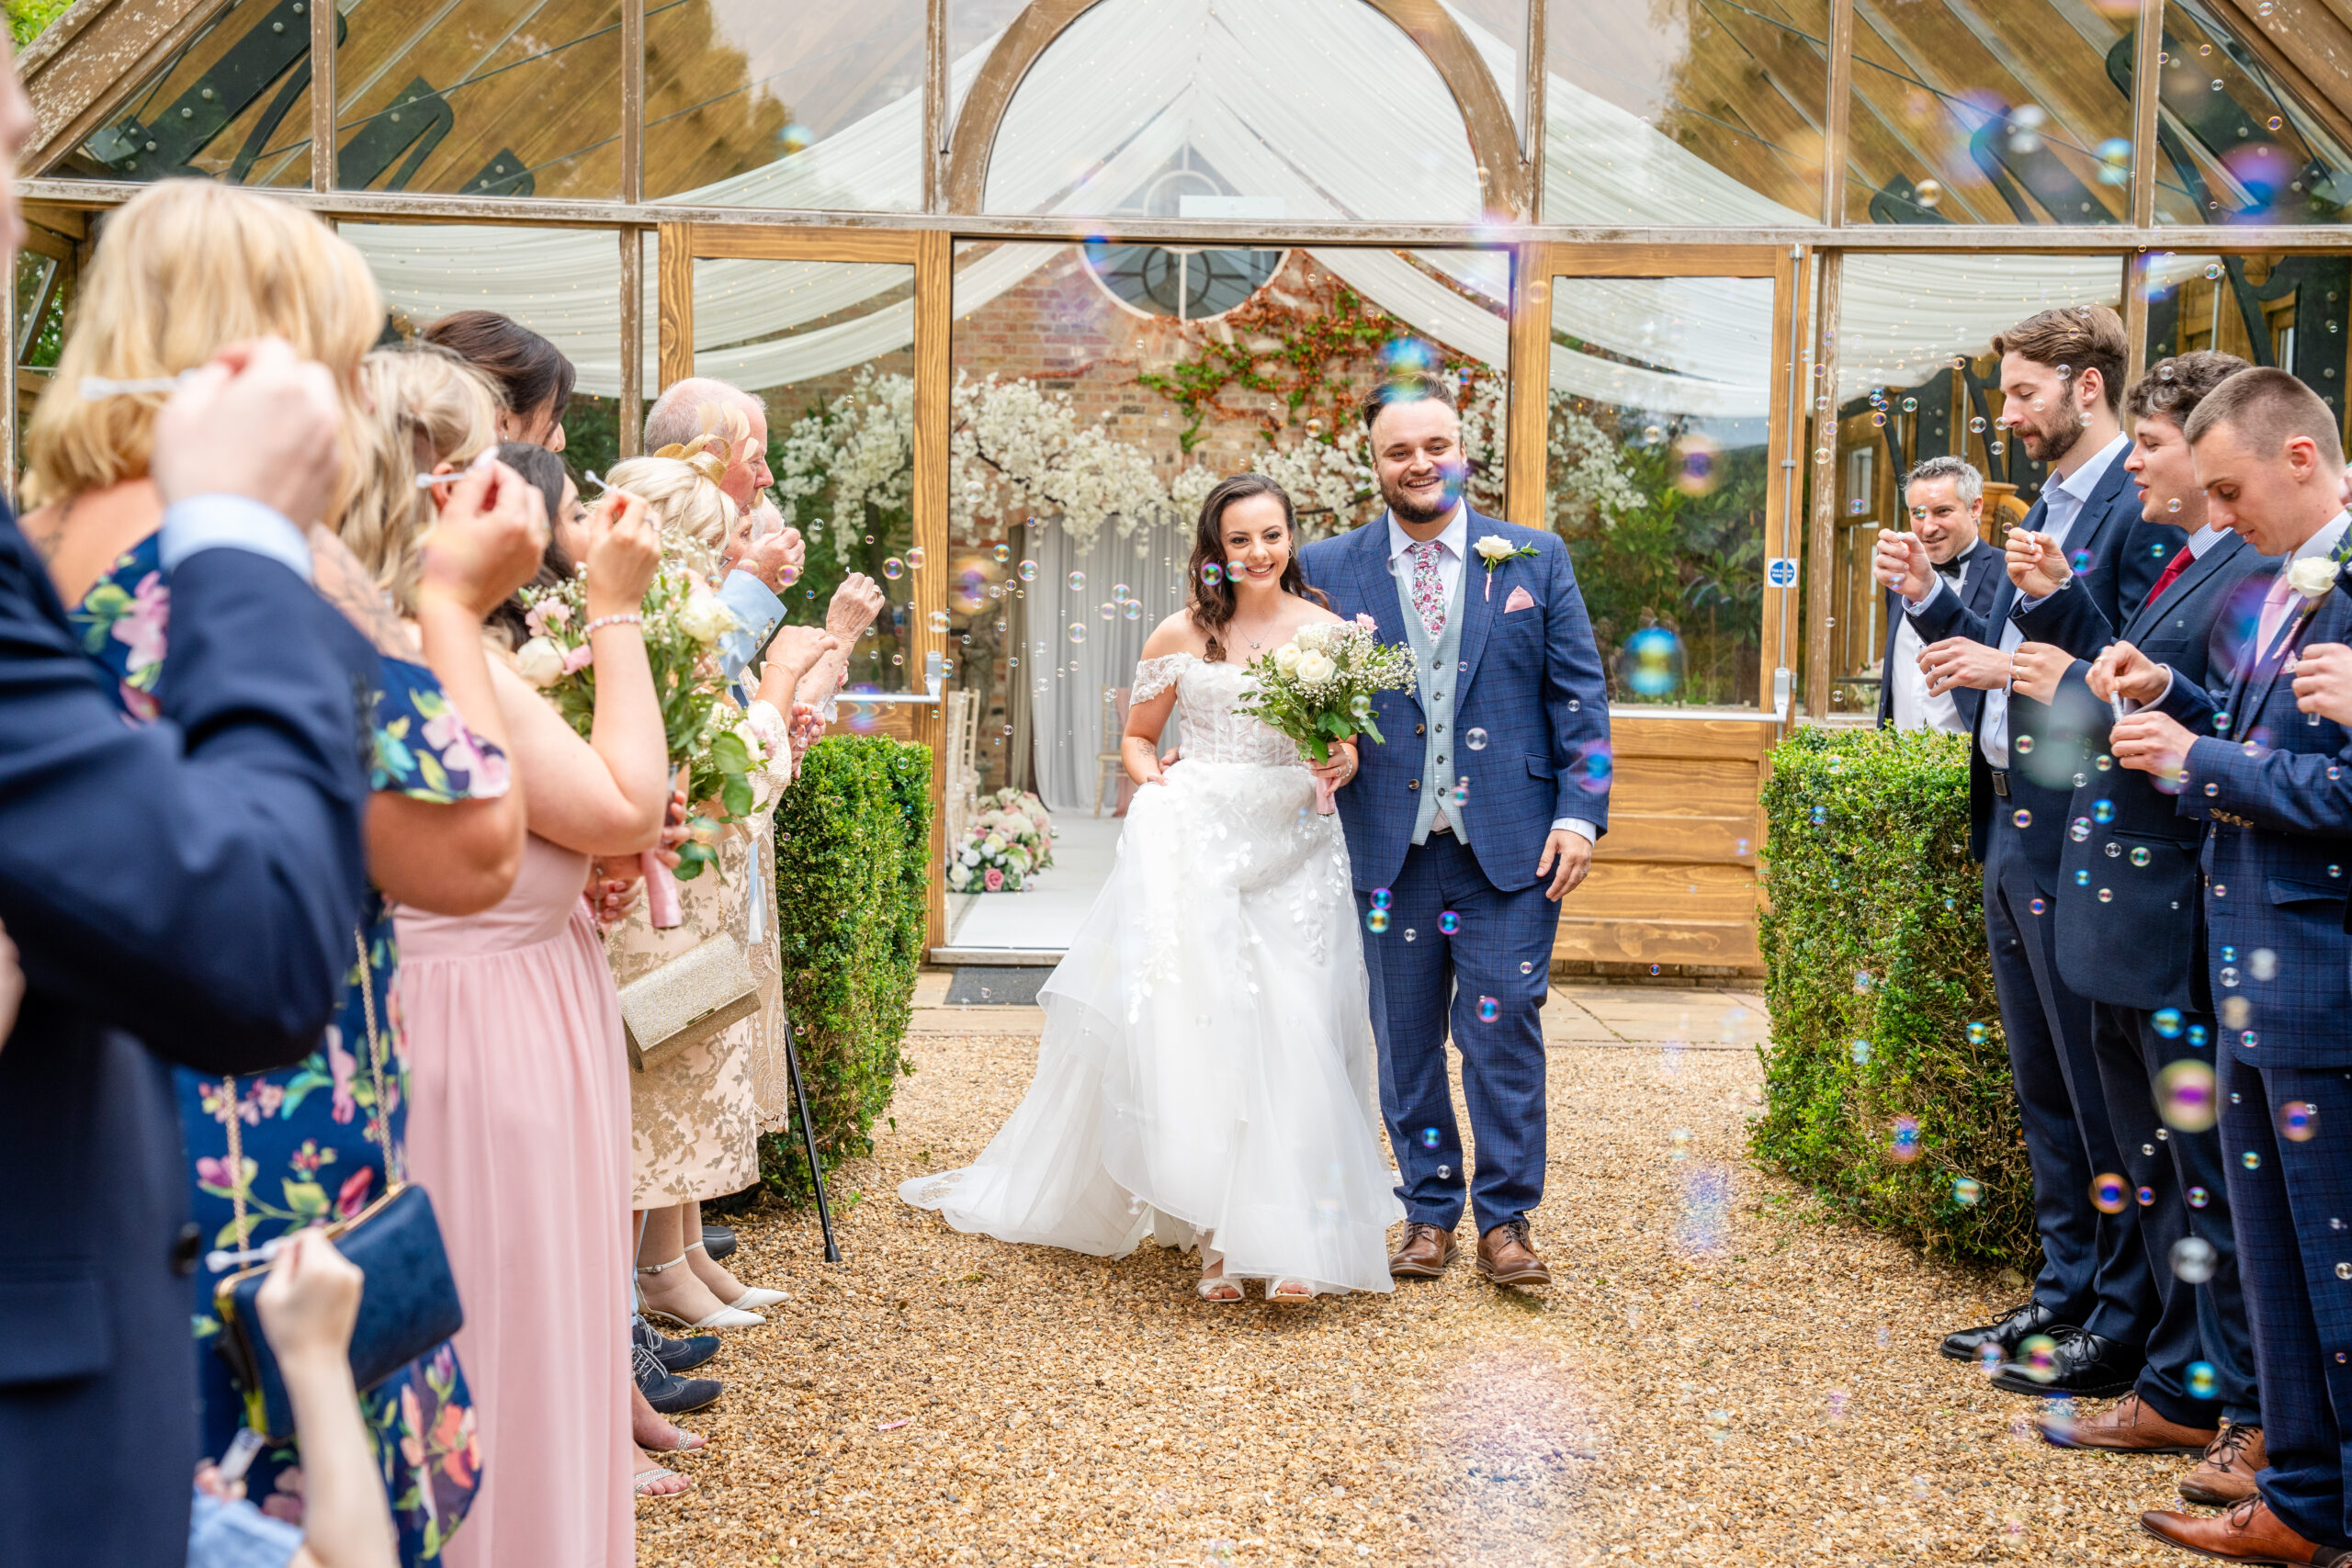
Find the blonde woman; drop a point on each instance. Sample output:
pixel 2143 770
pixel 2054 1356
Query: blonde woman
pixel 429 412
pixel 695 1113
pixel 184 268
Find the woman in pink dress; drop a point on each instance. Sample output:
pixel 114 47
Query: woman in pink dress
pixel 519 1110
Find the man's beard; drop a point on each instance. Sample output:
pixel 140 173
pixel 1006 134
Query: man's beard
pixel 2056 443
pixel 1407 510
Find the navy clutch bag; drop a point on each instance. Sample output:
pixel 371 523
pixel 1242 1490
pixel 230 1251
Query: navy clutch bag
pixel 408 1307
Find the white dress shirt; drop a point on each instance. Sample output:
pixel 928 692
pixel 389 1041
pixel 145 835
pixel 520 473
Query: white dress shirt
pixel 1452 549
pixel 2063 500
pixel 1912 706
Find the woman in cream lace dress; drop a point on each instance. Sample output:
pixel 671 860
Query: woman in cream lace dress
pixel 694 1113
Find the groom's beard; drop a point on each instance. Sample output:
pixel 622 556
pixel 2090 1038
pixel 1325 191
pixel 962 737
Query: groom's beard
pixel 1406 510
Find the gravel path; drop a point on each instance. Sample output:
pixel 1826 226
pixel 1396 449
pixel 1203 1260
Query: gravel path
pixel 1718 1377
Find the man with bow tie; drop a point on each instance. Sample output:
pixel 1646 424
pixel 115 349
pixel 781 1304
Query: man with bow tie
pixel 2275 786
pixel 1944 498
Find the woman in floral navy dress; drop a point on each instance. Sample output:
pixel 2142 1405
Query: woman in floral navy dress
pixel 308 1134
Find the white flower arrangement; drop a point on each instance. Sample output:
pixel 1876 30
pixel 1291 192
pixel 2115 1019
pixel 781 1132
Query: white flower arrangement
pixel 1010 842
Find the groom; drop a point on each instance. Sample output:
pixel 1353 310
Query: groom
pixel 1467 829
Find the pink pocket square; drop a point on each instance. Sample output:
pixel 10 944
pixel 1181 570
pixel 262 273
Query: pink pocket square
pixel 1521 599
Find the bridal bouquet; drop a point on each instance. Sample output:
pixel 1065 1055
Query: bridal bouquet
pixel 708 735
pixel 1010 841
pixel 1318 686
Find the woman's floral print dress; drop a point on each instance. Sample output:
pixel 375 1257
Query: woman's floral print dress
pixel 309 1132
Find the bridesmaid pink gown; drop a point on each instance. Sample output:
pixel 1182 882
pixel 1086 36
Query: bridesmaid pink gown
pixel 518 1127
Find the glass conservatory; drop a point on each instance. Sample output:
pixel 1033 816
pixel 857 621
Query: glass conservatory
pixel 1019 281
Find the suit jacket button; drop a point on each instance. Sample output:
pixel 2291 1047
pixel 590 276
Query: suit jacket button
pixel 184 1248
pixel 1413 783
pixel 1419 729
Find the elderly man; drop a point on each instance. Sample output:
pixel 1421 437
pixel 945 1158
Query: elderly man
pixel 1945 500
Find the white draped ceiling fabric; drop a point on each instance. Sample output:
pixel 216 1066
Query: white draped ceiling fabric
pixel 1322 106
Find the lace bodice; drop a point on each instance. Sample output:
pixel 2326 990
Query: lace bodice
pixel 1215 730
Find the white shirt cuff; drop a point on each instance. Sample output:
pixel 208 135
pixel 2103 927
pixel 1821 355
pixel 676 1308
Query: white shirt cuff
pixel 232 523
pixel 2130 707
pixel 1580 826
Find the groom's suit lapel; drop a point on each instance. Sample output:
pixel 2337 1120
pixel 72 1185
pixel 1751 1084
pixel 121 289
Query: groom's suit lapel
pixel 1478 608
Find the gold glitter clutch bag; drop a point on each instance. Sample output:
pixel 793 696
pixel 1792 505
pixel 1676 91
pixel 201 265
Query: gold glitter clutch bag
pixel 688 999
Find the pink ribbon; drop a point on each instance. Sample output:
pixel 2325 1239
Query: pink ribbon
pixel 660 893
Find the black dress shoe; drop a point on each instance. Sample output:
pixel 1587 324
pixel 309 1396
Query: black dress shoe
pixel 675 1355
pixel 2079 1366
pixel 665 1391
pixel 2006 1331
pixel 719 1241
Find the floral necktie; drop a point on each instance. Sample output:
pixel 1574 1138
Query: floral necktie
pixel 1428 589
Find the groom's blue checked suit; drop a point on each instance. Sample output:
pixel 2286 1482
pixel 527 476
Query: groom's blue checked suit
pixel 1528 678
pixel 183 891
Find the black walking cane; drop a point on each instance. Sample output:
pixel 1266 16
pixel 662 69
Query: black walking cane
pixel 809 1142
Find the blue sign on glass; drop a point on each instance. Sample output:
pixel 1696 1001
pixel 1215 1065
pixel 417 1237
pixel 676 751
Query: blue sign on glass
pixel 1781 572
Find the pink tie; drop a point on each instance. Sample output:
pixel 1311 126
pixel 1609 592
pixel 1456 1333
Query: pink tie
pixel 2274 614
pixel 1428 589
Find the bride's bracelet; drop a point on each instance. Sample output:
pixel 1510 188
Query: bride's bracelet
pixel 631 618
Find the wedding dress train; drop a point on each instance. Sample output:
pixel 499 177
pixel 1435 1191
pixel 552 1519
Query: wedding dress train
pixel 1206 1065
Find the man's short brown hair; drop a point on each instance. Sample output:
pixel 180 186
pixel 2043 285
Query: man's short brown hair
pixel 1407 387
pixel 2268 408
pixel 2173 388
pixel 2073 339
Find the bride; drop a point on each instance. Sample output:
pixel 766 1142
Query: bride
pixel 1205 1076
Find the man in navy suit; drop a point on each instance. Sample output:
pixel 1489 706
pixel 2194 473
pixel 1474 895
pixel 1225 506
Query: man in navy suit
pixel 183 891
pixel 1944 499
pixel 1483 806
pixel 2130 937
pixel 2273 785
pixel 2061 376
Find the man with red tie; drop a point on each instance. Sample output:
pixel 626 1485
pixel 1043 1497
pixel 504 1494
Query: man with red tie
pixel 2130 937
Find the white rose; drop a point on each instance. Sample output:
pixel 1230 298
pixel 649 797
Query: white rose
pixel 707 620
pixel 1286 657
pixel 993 845
pixel 1016 826
pixel 971 856
pixel 958 878
pixel 1315 668
pixel 1317 636
pixel 540 663
pixel 1494 547
pixel 2312 576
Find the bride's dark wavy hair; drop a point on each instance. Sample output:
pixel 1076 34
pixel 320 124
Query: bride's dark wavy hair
pixel 1212 604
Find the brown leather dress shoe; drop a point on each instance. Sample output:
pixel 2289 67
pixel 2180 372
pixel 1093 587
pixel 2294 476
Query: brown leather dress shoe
pixel 2126 1426
pixel 1506 1256
pixel 1428 1252
pixel 2247 1533
pixel 2225 1475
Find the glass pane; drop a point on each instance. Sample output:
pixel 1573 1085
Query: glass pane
pixel 1302 109
pixel 2271 309
pixel 788 103
pixel 1684 112
pixel 1660 412
pixel 234 105
pixel 1917 379
pixel 829 347
pixel 973 28
pixel 1498 30
pixel 480 97
pixel 2235 147
pixel 1991 111
pixel 564 283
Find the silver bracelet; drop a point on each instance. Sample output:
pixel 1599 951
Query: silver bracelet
pixel 631 619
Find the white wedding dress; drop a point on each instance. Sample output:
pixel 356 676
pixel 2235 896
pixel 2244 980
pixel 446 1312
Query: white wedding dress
pixel 1207 1060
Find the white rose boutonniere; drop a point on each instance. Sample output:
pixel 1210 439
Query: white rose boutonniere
pixel 1494 549
pixel 2312 576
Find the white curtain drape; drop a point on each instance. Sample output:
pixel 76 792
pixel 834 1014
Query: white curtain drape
pixel 1065 681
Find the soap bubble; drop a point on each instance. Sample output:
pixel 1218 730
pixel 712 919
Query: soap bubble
pixel 1430 1137
pixel 2037 906
pixel 939 621
pixel 2023 818
pixel 1134 609
pixel 1211 574
pixel 2197 1036
pixel 914 559
pixel 2102 811
pixel 2194 1260
pixel 2251 1160
pixel 2140 854
pixel 2109 1193
pixel 2184 1095
pixel 2198 1197
pixel 1488 1009
pixel 1449 922
pixel 2038 1354
pixel 1652 661
pixel 1077 632
pixel 2201 1380
pixel 2213 270
pixel 1927 194
pixel 2263 963
pixel 1967 1191
pixel 1526 967
pixel 2168 1023
pixel 1861 1051
pixel 1000 553
pixel 893 567
pixel 1028 572
pixel 1978 1033
pixel 1474 738
pixel 1110 611
pixel 1119 592
pixel 1903 1139
pixel 2298 1121
pixel 1380 898
pixel 1375 920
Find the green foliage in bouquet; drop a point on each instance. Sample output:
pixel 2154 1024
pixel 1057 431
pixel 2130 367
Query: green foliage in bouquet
pixel 1887 1087
pixel 852 853
pixel 704 731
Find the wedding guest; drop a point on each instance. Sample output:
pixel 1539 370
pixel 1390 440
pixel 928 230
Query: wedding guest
pixel 694 1110
pixel 1944 502
pixel 2061 381
pixel 519 1115
pixel 428 412
pixel 2130 937
pixel 762 564
pixel 2269 782
pixel 236 821
pixel 309 1306
pixel 182 266
pixel 533 376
